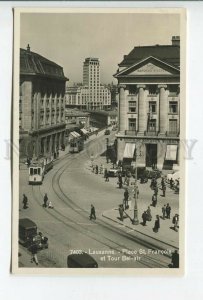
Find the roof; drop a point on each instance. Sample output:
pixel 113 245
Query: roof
pixel 32 63
pixel 26 223
pixel 168 53
pixel 76 113
pixel 104 112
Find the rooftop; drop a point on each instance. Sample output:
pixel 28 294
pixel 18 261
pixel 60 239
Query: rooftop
pixel 76 112
pixel 169 54
pixel 32 63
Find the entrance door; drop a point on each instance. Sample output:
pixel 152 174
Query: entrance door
pixel 151 155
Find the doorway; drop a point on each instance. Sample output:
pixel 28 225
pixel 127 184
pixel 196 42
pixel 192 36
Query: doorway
pixel 151 155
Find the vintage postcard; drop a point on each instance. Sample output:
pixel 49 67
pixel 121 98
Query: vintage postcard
pixel 99 108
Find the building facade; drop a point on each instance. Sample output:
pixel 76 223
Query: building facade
pixel 149 106
pixel 42 105
pixel 91 95
pixel 101 119
pixel 77 117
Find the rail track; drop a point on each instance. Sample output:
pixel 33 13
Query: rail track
pixel 103 240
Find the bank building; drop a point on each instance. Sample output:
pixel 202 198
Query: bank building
pixel 41 105
pixel 149 106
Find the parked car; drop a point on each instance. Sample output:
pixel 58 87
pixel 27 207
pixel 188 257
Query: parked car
pixel 28 234
pixel 113 172
pixel 81 260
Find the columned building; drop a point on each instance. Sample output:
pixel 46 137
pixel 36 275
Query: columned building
pixel 42 105
pixel 149 106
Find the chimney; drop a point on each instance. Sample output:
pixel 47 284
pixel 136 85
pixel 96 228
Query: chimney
pixel 175 40
pixel 28 48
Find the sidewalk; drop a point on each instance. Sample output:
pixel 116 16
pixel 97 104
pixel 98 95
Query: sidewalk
pixel 166 237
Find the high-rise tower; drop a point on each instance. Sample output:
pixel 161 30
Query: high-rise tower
pixel 91 78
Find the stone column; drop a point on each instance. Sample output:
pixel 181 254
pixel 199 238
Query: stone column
pixel 122 108
pixel 142 113
pixel 163 109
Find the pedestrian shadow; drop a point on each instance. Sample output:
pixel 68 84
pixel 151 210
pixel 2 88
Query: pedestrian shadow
pixel 162 218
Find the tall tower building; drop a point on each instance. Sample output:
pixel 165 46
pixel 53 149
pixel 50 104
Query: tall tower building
pixel 91 79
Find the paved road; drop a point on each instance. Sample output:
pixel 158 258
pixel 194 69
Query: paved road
pixel 72 188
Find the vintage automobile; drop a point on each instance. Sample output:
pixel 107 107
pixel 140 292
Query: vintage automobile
pixel 107 132
pixel 113 172
pixel 28 235
pixel 81 260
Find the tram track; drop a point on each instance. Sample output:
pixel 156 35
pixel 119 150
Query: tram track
pixel 147 261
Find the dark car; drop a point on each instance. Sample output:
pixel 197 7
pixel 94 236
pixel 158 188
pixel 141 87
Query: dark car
pixel 28 234
pixel 107 132
pixel 81 260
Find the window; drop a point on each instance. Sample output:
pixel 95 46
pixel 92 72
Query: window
pixel 173 107
pixel 152 125
pixel 132 106
pixel 132 90
pixel 132 124
pixel 152 107
pixel 152 89
pixel 173 126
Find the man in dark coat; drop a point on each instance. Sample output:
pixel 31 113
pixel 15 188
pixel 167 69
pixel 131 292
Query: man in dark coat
pixel 157 224
pixel 92 213
pixel 126 196
pixel 164 190
pixel 175 259
pixel 45 200
pixel 144 218
pixel 168 211
pixel 154 200
pixel 121 210
pixel 25 201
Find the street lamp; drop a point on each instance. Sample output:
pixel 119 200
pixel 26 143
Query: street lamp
pixel 135 220
pixel 107 145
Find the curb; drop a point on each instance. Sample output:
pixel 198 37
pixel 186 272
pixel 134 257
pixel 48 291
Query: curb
pixel 126 226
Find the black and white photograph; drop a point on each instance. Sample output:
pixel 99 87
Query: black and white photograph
pixel 98 131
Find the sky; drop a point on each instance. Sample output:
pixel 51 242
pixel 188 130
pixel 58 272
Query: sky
pixel 69 38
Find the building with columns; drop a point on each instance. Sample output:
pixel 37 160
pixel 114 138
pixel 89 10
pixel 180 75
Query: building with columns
pixel 42 105
pixel 149 106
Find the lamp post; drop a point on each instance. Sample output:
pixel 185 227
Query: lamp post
pixel 107 145
pixel 135 220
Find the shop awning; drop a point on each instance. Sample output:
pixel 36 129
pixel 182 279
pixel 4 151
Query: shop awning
pixel 74 134
pixel 129 150
pixel 84 131
pixel 171 152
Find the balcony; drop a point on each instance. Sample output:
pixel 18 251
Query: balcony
pixel 151 133
pixel 172 133
pixel 131 132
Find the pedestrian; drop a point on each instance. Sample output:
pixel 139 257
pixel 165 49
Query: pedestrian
pixel 162 182
pixel 157 224
pixel 154 200
pixel 106 175
pixel 120 181
pixel 50 205
pixel 96 169
pixel 171 183
pixel 34 249
pixel 164 190
pixel 92 212
pixel 175 259
pixel 156 189
pixel 25 201
pixel 168 211
pixel 149 215
pixel 45 200
pixel 121 210
pixel 126 196
pixel 28 162
pixel 164 211
pixel 176 222
pixel 101 169
pixel 144 218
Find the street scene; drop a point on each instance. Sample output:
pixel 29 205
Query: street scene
pixel 99 139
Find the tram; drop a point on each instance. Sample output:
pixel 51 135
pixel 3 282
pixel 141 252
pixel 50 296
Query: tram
pixel 76 145
pixel 38 169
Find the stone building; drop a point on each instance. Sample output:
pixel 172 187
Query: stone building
pixel 149 106
pixel 42 105
pixel 91 95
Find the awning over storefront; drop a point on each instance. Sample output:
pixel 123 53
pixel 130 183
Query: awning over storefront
pixel 129 150
pixel 171 152
pixel 74 134
pixel 84 131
